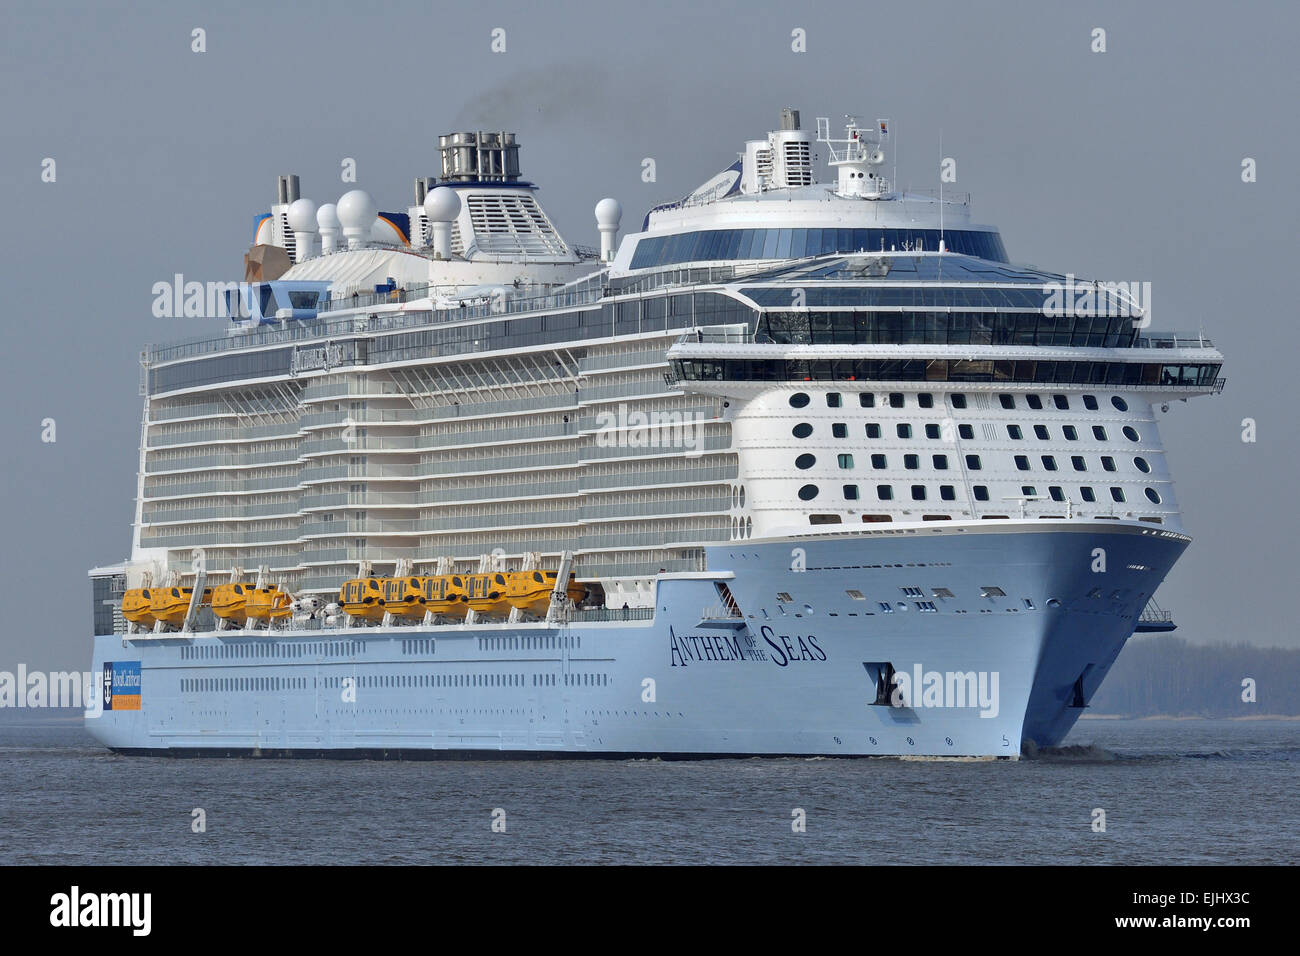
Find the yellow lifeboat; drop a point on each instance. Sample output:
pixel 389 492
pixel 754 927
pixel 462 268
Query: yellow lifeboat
pixel 488 594
pixel 446 595
pixel 405 597
pixel 363 598
pixel 229 601
pixel 137 607
pixel 267 603
pixel 170 605
pixel 530 591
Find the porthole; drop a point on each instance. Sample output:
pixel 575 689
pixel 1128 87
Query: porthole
pixel 1119 403
pixel 1053 602
pixel 1130 433
pixel 1142 465
pixel 808 492
pixel 1153 496
pixel 799 400
pixel 804 462
pixel 802 430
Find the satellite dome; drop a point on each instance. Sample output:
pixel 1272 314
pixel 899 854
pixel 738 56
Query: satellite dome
pixel 327 216
pixel 442 204
pixel 302 215
pixel 608 212
pixel 356 210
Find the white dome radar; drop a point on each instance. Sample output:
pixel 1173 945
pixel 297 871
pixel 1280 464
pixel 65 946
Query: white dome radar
pixel 357 213
pixel 608 214
pixel 327 219
pixel 442 206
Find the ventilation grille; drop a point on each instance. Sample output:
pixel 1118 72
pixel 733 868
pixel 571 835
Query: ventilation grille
pixel 513 225
pixel 798 164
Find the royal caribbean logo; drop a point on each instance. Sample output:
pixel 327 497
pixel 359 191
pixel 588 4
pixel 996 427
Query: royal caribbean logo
pixel 121 685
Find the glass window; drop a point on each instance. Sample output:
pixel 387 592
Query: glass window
pixel 839 430
pixel 1071 433
pixel 958 400
pixel 904 430
pixel 1119 403
pixel 1061 402
pixel 1008 401
pixel 1131 433
pixel 1098 433
pixel 834 400
pixel 850 492
pixel 1090 402
pixel 1153 495
pixel 932 430
pixel 873 429
pixel 1107 463
pixel 802 430
pixel 925 400
pixel 1049 462
pixel 1078 463
pixel 804 462
pixel 947 493
pixel 885 492
pixel 867 399
pixel 973 462
pixel 1142 465
pixel 1029 491
pixel 895 399
pixel 1014 432
pixel 808 492
pixel 981 493
pixel 911 462
pixel 846 461
pixel 1022 463
pixel 1117 494
pixel 1040 432
pixel 1087 494
pixel 799 400
pixel 1056 493
pixel 966 432
pixel 941 462
pixel 1034 401
pixel 918 492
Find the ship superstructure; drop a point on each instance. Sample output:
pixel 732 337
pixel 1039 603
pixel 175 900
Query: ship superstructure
pixel 816 458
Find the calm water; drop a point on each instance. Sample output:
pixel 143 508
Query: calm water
pixel 1174 791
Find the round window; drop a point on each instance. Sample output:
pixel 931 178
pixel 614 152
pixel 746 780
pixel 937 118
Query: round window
pixel 799 400
pixel 804 462
pixel 1119 403
pixel 1130 433
pixel 808 492
pixel 1153 496
pixel 802 430
pixel 1142 465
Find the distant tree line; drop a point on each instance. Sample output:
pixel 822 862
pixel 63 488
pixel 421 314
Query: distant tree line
pixel 1166 675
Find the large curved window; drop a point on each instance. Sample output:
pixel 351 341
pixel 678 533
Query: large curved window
pixel 729 244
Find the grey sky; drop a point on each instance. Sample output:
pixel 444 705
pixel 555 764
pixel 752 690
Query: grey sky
pixel 1123 166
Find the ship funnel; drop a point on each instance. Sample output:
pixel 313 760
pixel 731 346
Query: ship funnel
pixel 287 189
pixel 479 157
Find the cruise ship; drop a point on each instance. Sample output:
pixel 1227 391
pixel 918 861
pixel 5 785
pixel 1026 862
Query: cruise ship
pixel 793 466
